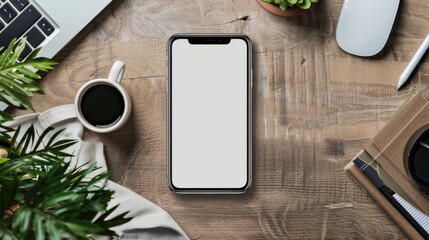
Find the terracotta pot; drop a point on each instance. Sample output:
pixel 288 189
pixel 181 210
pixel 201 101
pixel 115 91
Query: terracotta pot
pixel 290 12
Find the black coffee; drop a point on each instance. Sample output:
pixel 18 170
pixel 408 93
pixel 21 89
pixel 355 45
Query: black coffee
pixel 102 105
pixel 419 161
pixel 420 165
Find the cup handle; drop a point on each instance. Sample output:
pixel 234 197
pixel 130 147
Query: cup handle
pixel 117 71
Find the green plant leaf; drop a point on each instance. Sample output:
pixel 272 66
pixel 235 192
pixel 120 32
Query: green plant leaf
pixel 56 200
pixel 26 139
pixel 38 225
pixel 17 80
pixel 42 137
pixel 285 4
pixel 3 160
pixel 13 141
pixel 82 228
pixel 4 117
pixel 7 234
pixel 8 188
pixel 6 55
pixel 306 4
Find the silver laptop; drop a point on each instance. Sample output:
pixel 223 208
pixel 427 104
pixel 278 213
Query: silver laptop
pixel 48 24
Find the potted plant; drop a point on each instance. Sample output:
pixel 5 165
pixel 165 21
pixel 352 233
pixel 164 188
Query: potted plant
pixel 41 195
pixel 286 8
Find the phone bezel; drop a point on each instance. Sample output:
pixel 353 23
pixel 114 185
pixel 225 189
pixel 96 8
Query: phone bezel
pixel 210 39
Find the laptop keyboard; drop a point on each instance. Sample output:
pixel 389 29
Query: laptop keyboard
pixel 19 18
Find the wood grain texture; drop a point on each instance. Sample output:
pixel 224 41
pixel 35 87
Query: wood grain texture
pixel 315 106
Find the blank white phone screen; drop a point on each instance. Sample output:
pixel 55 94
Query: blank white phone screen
pixel 209 129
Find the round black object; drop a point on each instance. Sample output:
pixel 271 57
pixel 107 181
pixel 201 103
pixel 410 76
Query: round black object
pixel 416 159
pixel 102 105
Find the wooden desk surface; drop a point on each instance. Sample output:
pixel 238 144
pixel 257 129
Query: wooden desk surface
pixel 315 106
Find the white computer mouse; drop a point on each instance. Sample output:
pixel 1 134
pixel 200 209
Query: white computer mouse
pixel 364 25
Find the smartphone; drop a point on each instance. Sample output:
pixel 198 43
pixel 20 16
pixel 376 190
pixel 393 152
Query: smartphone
pixel 209 113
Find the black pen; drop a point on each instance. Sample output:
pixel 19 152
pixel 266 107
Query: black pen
pixel 372 175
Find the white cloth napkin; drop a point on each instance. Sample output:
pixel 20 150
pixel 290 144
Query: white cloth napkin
pixel 149 221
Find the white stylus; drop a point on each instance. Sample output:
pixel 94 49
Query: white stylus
pixel 414 61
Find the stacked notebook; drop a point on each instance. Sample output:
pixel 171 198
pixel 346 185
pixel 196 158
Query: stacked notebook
pixel 379 169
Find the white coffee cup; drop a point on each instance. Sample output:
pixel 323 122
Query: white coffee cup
pixel 85 96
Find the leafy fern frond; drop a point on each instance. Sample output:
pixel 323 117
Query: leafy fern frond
pixel 44 197
pixel 18 81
